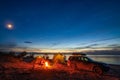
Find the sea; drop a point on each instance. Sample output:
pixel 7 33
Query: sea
pixel 110 59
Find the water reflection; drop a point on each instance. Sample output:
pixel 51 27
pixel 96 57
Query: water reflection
pixel 110 59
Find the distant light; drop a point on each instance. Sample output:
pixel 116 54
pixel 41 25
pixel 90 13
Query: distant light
pixel 9 26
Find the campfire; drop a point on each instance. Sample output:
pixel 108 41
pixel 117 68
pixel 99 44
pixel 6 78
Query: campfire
pixel 46 64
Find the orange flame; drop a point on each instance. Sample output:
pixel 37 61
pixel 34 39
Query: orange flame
pixel 46 64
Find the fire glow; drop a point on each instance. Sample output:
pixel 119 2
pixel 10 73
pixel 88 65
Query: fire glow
pixel 46 64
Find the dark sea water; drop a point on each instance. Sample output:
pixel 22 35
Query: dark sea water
pixel 110 59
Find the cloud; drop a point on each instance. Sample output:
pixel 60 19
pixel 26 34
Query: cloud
pixel 8 45
pixel 88 46
pixel 101 40
pixel 11 46
pixel 55 44
pixel 114 45
pixel 28 42
pixel 91 45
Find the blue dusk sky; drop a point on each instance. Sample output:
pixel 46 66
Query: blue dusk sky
pixel 59 24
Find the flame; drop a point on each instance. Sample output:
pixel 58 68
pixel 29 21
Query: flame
pixel 46 64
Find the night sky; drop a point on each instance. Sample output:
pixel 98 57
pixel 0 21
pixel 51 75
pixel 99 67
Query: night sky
pixel 59 24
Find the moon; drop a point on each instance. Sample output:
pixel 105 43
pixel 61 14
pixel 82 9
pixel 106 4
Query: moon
pixel 9 26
